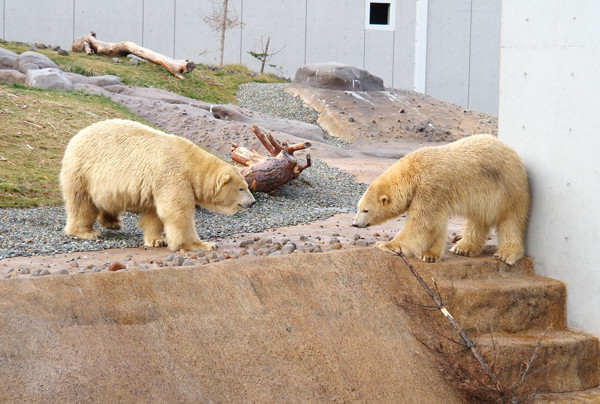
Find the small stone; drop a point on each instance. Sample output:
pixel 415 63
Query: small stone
pixel 178 261
pixel 288 248
pixel 362 243
pixel 335 234
pixel 95 269
pixel 8 270
pixel 188 263
pixel 115 60
pixel 61 272
pixel 212 255
pixel 303 237
pixel 337 246
pixel 274 253
pixel 144 266
pixel 133 62
pixel 334 241
pixel 74 264
pixel 44 272
pixel 23 271
pixel 317 249
pixel 171 257
pixel 356 236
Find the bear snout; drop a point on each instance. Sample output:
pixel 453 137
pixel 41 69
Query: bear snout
pixel 356 222
pixel 248 204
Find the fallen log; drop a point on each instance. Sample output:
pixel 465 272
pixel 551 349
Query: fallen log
pixel 266 173
pixel 90 44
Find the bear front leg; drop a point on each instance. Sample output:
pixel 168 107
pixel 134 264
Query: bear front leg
pixel 473 239
pixel 181 232
pixel 153 227
pixel 423 236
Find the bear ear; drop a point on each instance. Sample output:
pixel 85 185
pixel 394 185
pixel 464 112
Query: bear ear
pixel 222 180
pixel 384 199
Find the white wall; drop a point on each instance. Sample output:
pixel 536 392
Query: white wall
pixel 549 109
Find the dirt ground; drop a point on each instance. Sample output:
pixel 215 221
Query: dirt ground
pixel 379 126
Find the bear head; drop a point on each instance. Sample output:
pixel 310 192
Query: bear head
pixel 380 202
pixel 229 193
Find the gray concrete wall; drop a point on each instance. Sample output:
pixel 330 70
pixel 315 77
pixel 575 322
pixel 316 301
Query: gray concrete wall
pixel 549 105
pixel 463 54
pixel 462 40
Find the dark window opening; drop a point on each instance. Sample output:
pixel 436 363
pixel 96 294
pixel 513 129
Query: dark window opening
pixel 379 13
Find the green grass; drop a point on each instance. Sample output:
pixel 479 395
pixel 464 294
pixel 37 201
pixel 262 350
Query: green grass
pixel 36 124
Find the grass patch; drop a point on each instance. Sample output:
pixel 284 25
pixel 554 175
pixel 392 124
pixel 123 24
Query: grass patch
pixel 36 127
pixel 206 83
pixel 37 124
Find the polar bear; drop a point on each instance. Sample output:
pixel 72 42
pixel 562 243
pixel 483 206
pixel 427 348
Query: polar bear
pixel 117 165
pixel 478 178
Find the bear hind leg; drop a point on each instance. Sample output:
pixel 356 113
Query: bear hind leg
pixel 81 215
pixel 153 228
pixel 109 220
pixel 511 233
pixel 473 239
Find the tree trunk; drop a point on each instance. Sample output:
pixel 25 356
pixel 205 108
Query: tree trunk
pixel 265 56
pixel 89 44
pixel 266 173
pixel 223 29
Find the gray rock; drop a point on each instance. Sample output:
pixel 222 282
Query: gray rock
pixel 178 261
pixel 48 78
pixel 61 272
pixel 8 270
pixel 7 58
pixel 32 61
pixel 23 271
pixel 100 81
pixel 188 263
pixel 44 272
pixel 288 248
pixel 337 76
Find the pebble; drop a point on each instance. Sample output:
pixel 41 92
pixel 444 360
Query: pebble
pixel 61 272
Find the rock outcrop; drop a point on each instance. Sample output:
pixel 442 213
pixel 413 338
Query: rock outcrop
pixel 337 76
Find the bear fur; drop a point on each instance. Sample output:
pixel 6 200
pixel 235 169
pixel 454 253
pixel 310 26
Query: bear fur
pixel 117 165
pixel 478 178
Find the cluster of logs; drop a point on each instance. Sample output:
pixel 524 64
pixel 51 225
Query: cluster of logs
pixel 266 173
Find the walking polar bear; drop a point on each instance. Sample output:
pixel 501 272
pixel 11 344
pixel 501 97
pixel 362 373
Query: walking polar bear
pixel 478 177
pixel 117 165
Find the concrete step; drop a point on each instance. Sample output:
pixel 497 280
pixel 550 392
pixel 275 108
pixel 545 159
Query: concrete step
pixel 590 396
pixel 506 305
pixel 566 360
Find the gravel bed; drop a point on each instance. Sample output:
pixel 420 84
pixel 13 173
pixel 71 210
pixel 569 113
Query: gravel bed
pixel 319 193
pixel 272 99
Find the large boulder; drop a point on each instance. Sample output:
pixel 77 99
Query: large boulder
pixel 32 61
pixel 11 76
pixel 48 78
pixel 7 58
pixel 337 76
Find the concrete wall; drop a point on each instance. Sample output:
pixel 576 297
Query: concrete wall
pixel 462 37
pixel 463 53
pixel 549 82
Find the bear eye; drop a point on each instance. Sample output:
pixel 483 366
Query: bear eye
pixel 365 211
pixel 241 189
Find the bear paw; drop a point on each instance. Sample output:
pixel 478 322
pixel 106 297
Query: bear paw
pixel 507 258
pixel 428 257
pixel 388 247
pixel 459 251
pixel 200 245
pixel 157 242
